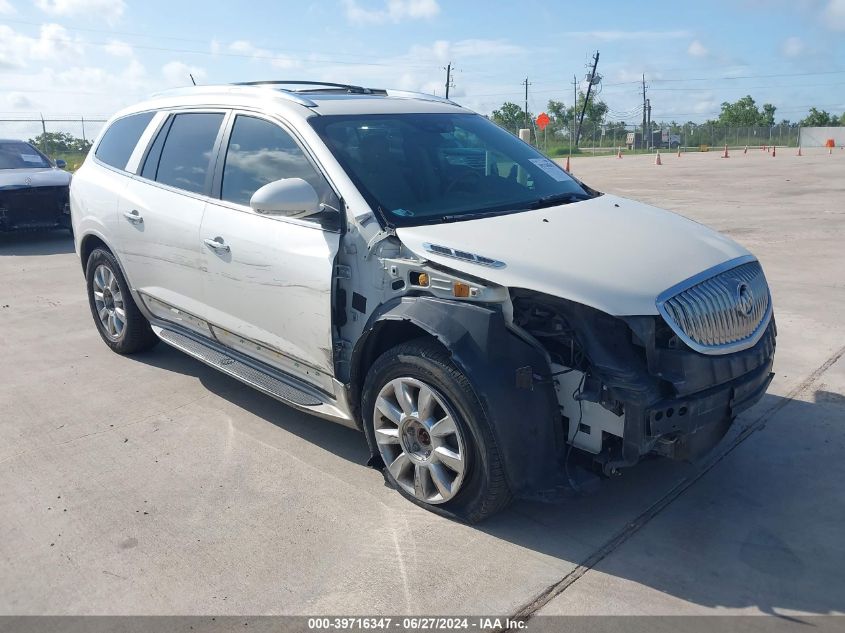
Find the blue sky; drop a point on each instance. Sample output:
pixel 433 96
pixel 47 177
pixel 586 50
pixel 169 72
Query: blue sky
pixel 91 57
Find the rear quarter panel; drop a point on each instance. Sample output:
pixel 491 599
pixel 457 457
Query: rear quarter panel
pixel 94 194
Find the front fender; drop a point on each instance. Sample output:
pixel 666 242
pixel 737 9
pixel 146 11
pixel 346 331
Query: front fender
pixel 510 377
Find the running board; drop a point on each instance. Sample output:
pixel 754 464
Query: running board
pixel 272 385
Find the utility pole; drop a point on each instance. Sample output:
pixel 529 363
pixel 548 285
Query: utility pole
pixel 526 84
pixel 650 134
pixel 448 78
pixel 644 114
pixel 592 79
pixel 574 108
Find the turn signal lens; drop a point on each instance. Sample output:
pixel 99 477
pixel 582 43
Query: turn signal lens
pixel 460 289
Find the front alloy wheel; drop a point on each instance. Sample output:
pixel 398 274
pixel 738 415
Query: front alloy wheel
pixel 425 422
pixel 418 440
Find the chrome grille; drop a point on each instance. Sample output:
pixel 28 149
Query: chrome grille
pixel 723 310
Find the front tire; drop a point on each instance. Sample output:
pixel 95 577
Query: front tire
pixel 120 324
pixel 423 419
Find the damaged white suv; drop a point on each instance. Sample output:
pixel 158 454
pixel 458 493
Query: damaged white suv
pixel 397 263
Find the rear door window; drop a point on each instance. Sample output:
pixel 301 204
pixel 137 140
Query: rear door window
pixel 120 139
pixel 186 156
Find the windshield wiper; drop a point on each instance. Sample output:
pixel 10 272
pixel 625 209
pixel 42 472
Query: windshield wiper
pixel 458 217
pixel 559 198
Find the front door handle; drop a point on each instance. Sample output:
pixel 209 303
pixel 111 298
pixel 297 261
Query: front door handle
pixel 217 244
pixel 133 216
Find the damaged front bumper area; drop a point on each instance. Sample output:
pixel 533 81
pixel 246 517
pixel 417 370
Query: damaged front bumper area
pixel 34 208
pixel 628 387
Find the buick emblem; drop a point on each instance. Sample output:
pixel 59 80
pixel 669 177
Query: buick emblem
pixel 27 181
pixel 744 300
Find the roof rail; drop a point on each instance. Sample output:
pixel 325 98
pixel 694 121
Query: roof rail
pixel 285 82
pixel 424 96
pixel 211 88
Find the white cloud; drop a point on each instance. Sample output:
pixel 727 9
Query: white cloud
pixel 834 15
pixel 20 101
pixel 111 10
pixel 6 8
pixel 118 48
pixel 443 50
pixel 247 49
pixel 177 73
pixel 792 47
pixel 614 36
pixel 392 11
pixel 53 43
pixel 697 49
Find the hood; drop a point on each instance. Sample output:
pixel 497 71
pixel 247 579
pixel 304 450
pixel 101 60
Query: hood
pixel 612 254
pixel 39 177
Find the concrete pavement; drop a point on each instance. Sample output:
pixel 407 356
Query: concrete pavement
pixel 154 485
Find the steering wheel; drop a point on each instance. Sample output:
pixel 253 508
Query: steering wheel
pixel 469 177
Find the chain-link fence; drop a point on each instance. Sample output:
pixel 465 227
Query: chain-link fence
pixel 606 137
pixel 67 138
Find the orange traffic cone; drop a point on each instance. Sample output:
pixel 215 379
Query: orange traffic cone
pixel 725 155
pixel 618 152
pixel 774 150
pixel 657 160
pixel 567 164
pixel 746 150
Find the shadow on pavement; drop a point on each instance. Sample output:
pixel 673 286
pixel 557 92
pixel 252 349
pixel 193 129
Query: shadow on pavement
pixel 763 528
pixel 340 440
pixel 55 242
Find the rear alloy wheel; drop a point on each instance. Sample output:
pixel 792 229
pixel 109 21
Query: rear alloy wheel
pixel 108 302
pixel 419 441
pixel 119 321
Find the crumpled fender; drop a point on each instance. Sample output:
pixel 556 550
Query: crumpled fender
pixel 510 378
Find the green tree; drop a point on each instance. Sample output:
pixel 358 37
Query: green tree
pixel 510 116
pixel 560 115
pixel 768 114
pixel 745 112
pixel 819 118
pixel 57 142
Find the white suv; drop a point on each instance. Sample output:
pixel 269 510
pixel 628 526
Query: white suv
pixel 397 263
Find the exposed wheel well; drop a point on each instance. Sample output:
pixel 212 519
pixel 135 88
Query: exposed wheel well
pixel 89 243
pixel 383 336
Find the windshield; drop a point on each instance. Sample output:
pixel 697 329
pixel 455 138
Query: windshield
pixel 20 155
pixel 431 168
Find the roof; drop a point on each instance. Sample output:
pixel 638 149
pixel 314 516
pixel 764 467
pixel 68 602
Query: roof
pixel 314 99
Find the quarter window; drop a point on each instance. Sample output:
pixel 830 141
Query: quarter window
pixel 186 155
pixel 260 152
pixel 120 139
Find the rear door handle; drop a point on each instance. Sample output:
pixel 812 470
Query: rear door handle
pixel 133 216
pixel 217 244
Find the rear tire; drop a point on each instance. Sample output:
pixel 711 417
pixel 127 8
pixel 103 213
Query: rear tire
pixel 119 321
pixel 423 418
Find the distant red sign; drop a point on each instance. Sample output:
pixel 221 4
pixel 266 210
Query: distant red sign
pixel 543 120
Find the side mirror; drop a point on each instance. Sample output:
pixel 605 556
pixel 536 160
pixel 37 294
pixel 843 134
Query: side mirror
pixel 60 163
pixel 289 197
